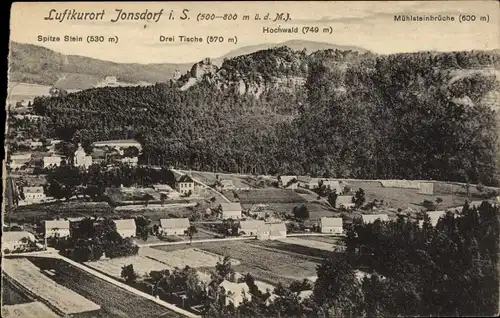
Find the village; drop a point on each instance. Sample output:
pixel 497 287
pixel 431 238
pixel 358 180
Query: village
pixel 201 220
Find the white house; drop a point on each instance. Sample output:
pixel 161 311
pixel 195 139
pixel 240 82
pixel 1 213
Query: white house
pixel 251 227
pixel 289 182
pixel 231 210
pixel 16 239
pixel 131 161
pixel 20 160
pixel 344 201
pixel 51 161
pixel 185 184
pixel 272 231
pixel 126 228
pixel 36 144
pixel 80 158
pixel 234 293
pixel 309 183
pixel 426 188
pixel 162 188
pixel 333 185
pixel 174 226
pixel 57 228
pixel 331 225
pixel 434 217
pixel 33 194
pixel 370 218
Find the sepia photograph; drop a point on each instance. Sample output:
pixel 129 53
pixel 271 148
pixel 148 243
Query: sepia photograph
pixel 252 160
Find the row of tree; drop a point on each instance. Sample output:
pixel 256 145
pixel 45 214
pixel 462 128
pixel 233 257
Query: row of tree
pixel 66 181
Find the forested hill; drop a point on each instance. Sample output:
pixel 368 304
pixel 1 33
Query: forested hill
pixel 419 115
pixel 38 65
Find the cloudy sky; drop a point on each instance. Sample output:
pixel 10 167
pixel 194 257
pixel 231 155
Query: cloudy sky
pixel 369 25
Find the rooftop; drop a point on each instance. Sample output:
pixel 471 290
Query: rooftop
pixel 174 223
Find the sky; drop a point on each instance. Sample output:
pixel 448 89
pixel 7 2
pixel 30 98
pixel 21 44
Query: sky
pixel 369 25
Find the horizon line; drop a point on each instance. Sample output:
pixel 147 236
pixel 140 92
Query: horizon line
pixel 271 44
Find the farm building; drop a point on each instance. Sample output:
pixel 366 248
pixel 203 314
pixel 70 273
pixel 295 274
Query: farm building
pixel 33 194
pixel 16 239
pixel 309 183
pixel 51 161
pixel 370 218
pixel 344 201
pixel 80 158
pixel 426 188
pixel 434 216
pixel 277 230
pixel 126 228
pixel 131 161
pixel 162 188
pixel 303 295
pixel 289 182
pixel 227 184
pixel 251 228
pixel 19 161
pixel 234 293
pixel 185 184
pixel 331 225
pixel 231 210
pixel 174 226
pixel 57 228
pixel 120 144
pixel 333 185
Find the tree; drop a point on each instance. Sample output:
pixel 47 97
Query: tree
pixel 359 198
pixel 332 197
pixel 191 230
pixel 301 212
pixel 129 274
pixel 337 288
pixel 225 269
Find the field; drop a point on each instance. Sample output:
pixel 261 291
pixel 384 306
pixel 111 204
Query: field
pixel 404 198
pixel 22 91
pixel 62 209
pixel 27 275
pixel 33 309
pixel 115 302
pixel 326 239
pixel 266 265
pixel 300 249
pixel 113 267
pixel 182 257
pixel 269 195
pixel 11 295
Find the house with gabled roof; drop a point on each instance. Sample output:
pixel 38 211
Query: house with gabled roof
pixel 57 228
pixel 126 228
pixel 332 185
pixel 33 194
pixel 184 184
pixel 331 225
pixel 234 293
pixel 344 201
pixel 230 210
pixel 174 226
pixel 289 182
pixel 251 227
